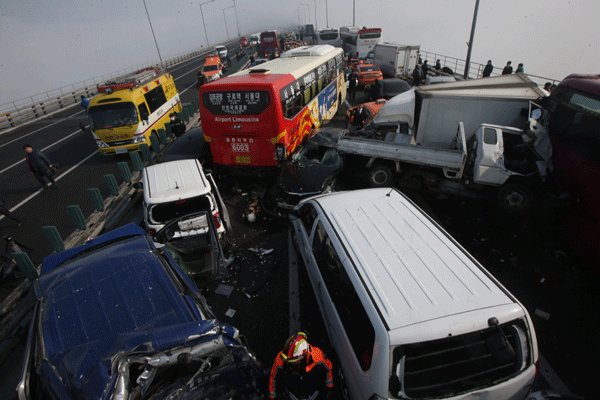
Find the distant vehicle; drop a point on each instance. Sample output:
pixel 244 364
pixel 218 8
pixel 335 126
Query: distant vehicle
pixel 386 89
pixel 117 317
pixel 311 171
pixel 254 39
pixel 212 68
pixel 574 127
pixel 395 60
pixel 176 188
pixel 329 36
pixel 190 145
pixel 367 73
pixel 244 42
pixel 358 42
pixel 129 109
pixel 409 313
pixel 259 116
pixel 307 34
pixel 222 51
pixel 270 43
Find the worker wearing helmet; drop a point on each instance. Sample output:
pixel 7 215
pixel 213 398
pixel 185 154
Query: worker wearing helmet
pixel 300 371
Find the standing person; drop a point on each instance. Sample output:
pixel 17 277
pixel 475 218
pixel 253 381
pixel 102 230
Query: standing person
pixel 417 75
pixel 424 69
pixel 520 69
pixel 6 212
pixel 438 65
pixel 85 102
pixel 487 71
pixel 359 117
pixel 547 86
pixel 39 165
pixel 300 371
pixel 352 84
pixel 508 69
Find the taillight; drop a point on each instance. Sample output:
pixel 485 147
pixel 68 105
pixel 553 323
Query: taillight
pixel 217 219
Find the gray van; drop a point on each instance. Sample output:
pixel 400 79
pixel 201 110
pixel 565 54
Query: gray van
pixel 409 313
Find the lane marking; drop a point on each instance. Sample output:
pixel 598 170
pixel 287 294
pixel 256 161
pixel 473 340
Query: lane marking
pixel 37 192
pixel 45 148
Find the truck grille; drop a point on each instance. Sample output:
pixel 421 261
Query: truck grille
pixel 121 142
pixel 463 363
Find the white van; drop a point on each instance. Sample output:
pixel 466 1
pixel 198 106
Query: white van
pixel 409 313
pixel 177 188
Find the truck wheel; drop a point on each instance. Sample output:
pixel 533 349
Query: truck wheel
pixel 515 198
pixel 380 176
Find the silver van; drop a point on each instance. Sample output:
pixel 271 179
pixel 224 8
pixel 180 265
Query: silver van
pixel 409 313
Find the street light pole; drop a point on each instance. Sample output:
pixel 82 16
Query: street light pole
pixel 225 19
pixel 152 29
pixel 237 21
pixel 353 12
pixel 470 44
pixel 326 13
pixel 204 23
pixel 316 25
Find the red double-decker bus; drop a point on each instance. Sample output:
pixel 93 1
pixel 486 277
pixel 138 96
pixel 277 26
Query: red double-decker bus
pixel 259 116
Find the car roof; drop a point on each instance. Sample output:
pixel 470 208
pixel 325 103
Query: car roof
pixel 174 180
pixel 413 270
pixel 108 296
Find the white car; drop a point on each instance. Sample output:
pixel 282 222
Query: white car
pixel 222 50
pixel 176 188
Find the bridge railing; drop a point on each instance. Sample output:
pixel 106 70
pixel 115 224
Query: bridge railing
pixel 457 65
pixel 28 109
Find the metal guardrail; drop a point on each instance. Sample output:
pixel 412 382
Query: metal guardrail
pixel 476 69
pixel 25 110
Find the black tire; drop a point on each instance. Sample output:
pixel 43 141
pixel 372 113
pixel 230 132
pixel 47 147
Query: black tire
pixel 515 198
pixel 380 176
pixel 156 136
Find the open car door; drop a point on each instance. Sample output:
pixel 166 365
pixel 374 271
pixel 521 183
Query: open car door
pixel 193 242
pixel 221 203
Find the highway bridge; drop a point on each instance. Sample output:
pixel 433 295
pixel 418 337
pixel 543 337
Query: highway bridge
pixel 554 284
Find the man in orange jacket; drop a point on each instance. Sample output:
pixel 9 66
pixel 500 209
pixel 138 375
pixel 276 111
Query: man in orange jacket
pixel 300 371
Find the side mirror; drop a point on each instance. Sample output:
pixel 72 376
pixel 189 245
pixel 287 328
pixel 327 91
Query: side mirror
pixel 83 126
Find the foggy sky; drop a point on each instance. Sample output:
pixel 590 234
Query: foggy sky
pixel 49 44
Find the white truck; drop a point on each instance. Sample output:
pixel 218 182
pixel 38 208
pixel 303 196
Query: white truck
pixel 415 136
pixel 395 60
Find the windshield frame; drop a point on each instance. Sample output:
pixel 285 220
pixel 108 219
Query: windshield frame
pixel 99 112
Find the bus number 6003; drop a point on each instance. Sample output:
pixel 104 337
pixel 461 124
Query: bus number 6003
pixel 240 147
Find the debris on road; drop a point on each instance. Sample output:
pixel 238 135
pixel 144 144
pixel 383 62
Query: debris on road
pixel 224 290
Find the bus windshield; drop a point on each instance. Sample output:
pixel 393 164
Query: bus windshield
pixel 370 35
pixel 236 102
pixel 113 115
pixel 329 36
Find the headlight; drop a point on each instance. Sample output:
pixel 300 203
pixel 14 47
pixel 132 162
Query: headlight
pixel 101 144
pixel 139 139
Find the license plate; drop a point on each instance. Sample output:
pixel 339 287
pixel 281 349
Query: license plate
pixel 120 150
pixel 240 147
pixel 242 159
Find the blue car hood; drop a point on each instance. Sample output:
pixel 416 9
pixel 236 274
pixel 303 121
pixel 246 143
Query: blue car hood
pixel 109 296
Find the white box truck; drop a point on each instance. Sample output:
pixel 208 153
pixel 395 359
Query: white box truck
pixel 395 60
pixel 415 135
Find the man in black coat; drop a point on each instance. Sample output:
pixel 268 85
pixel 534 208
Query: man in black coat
pixel 487 70
pixel 39 165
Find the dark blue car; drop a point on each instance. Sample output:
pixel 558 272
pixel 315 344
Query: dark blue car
pixel 117 318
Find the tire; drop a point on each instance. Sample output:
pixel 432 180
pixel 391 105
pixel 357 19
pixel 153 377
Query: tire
pixel 515 198
pixel 155 135
pixel 380 176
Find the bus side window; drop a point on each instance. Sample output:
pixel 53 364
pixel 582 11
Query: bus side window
pixel 143 109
